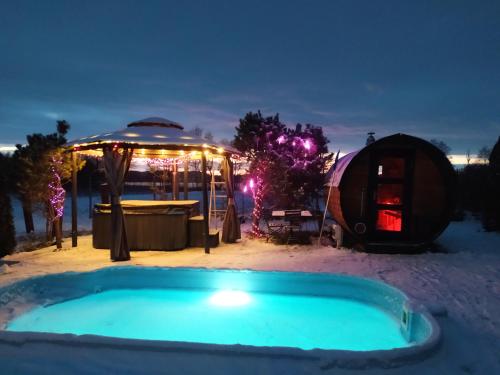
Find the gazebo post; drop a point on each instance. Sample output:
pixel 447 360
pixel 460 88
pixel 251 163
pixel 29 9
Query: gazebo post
pixel 186 179
pixel 175 182
pixel 206 232
pixel 74 202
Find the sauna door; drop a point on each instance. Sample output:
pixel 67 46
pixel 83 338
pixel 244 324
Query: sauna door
pixel 390 184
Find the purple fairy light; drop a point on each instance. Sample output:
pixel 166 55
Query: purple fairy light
pixel 307 144
pixel 56 192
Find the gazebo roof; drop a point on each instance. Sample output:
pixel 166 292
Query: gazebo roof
pixel 156 121
pixel 150 137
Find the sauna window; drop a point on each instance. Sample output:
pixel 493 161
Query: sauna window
pixel 391 194
pixel 391 167
pixel 389 220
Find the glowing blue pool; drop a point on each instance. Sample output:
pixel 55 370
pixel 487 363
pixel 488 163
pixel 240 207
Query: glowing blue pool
pixel 196 316
pixel 260 309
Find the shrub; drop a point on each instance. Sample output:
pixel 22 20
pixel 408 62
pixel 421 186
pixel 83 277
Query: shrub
pixel 7 230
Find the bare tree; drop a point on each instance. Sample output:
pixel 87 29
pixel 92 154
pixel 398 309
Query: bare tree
pixel 484 154
pixel 208 136
pixel 225 142
pixel 441 145
pixel 197 131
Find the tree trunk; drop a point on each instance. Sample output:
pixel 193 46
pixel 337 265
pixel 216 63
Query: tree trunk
pixel 49 229
pixel 28 214
pixel 57 225
pixel 7 230
pixel 257 208
pixel 49 223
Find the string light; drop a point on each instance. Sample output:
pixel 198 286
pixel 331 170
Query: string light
pixel 256 187
pixel 307 144
pixel 56 192
pixel 164 164
pixel 299 153
pixel 258 195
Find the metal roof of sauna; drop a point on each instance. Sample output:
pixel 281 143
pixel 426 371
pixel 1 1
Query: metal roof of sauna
pixel 334 175
pixel 150 137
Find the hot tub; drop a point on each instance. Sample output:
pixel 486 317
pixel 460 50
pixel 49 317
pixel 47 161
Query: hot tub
pixel 332 317
pixel 150 225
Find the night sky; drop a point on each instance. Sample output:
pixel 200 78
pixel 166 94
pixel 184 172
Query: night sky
pixel 426 68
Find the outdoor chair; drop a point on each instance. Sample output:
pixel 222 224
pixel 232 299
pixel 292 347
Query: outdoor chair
pixel 275 228
pixel 293 225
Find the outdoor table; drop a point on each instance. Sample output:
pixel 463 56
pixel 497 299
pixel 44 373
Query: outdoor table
pixel 284 213
pixel 294 221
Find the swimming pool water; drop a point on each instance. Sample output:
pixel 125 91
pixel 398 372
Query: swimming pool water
pixel 221 317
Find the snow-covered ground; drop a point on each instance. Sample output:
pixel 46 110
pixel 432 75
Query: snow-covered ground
pixel 464 279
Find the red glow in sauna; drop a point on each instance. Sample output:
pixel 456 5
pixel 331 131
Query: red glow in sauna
pixel 390 194
pixel 389 220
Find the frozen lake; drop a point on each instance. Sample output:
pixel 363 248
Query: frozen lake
pixel 84 219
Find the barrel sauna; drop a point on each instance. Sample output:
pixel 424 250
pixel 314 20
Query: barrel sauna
pixel 396 194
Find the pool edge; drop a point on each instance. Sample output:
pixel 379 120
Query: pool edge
pixel 326 358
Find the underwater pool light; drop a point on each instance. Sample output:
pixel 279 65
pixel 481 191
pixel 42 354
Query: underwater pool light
pixel 230 298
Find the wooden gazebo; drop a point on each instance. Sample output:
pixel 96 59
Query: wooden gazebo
pixel 152 138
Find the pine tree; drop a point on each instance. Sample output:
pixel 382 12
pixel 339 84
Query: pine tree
pixel 7 230
pixel 41 167
pixel 491 206
pixel 286 165
pixel 255 137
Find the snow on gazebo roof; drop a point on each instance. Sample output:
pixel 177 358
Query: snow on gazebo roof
pixel 150 137
pixel 156 121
